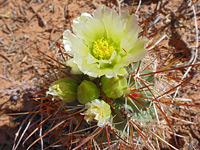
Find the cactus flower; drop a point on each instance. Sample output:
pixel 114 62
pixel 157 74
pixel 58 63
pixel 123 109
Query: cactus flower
pixel 97 110
pixel 114 87
pixel 65 89
pixel 87 91
pixel 104 44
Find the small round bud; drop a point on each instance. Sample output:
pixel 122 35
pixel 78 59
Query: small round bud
pixel 87 91
pixel 114 87
pixel 65 89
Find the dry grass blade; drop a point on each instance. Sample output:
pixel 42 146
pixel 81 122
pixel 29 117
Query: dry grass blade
pixel 15 146
pixel 162 140
pixel 36 129
pixel 172 69
pixel 144 138
pixel 172 89
pixel 168 122
pixel 136 100
pixel 17 134
pixel 84 141
pixel 179 104
pixel 46 133
pixel 171 63
pixel 114 131
pixel 143 81
pixel 53 144
pixel 49 57
pixel 108 137
pixel 186 81
pixel 131 7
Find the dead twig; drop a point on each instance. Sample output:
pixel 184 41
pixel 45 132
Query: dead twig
pixel 42 23
pixel 5 58
pixel 36 12
pixel 66 11
pixel 50 47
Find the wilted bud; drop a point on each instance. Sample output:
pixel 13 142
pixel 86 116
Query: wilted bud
pixel 114 87
pixel 87 91
pixel 97 110
pixel 65 89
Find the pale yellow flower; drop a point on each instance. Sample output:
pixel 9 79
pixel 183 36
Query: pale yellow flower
pixel 104 44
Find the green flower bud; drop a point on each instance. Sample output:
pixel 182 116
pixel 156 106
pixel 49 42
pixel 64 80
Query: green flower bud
pixel 65 89
pixel 87 91
pixel 114 87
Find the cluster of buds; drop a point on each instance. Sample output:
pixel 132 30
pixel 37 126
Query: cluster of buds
pixel 101 46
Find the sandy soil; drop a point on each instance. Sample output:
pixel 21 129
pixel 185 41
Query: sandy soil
pixel 29 24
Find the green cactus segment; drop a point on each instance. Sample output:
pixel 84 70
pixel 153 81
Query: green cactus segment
pixel 144 116
pixel 65 89
pixel 137 84
pixel 114 87
pixel 87 91
pixel 124 111
pixel 149 78
pixel 121 108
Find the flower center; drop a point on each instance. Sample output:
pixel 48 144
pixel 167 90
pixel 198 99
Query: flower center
pixel 102 49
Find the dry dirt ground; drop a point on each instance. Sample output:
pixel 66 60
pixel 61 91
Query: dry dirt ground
pixel 27 25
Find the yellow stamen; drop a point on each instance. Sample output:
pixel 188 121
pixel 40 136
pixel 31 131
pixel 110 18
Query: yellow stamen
pixel 102 49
